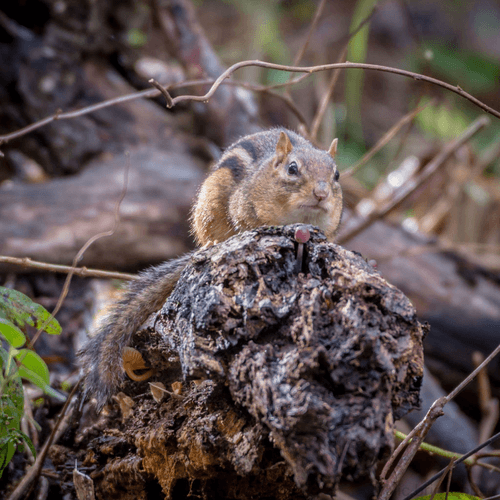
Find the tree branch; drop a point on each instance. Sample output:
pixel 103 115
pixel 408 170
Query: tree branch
pixel 409 187
pixel 226 74
pixel 83 272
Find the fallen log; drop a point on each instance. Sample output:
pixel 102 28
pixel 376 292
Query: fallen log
pixel 51 222
pixel 290 380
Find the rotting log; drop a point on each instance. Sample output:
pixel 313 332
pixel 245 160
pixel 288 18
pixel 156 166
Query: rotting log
pixel 460 299
pixel 52 221
pixel 290 380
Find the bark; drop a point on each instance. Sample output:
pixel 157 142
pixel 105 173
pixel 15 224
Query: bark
pixel 460 299
pixel 290 380
pixel 51 221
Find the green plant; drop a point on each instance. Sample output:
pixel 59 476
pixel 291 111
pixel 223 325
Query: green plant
pixel 357 50
pixel 449 496
pixel 17 363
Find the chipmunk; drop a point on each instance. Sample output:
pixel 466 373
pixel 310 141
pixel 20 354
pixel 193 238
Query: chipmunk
pixel 274 177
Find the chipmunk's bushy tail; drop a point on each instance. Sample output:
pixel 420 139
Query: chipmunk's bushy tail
pixel 101 357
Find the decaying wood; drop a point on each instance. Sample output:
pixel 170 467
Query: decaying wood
pixel 290 380
pixel 56 70
pixel 232 112
pixel 460 299
pixel 51 221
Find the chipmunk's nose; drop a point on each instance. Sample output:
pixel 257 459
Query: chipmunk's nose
pixel 321 190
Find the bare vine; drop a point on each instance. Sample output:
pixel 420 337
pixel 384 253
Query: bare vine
pixel 308 70
pixel 409 187
pixel 415 438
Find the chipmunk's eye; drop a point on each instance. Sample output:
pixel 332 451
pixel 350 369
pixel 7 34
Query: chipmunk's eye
pixel 293 169
pixel 336 176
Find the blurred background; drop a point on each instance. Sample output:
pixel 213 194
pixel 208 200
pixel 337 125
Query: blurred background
pixel 422 207
pixel 454 41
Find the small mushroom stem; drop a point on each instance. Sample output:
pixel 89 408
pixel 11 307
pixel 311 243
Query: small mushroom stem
pixel 300 257
pixel 301 236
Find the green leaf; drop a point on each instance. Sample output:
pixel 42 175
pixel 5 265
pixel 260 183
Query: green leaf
pixel 441 120
pixel 10 442
pixel 12 398
pixel 11 333
pixel 27 442
pixel 136 38
pixel 473 71
pixel 7 451
pixel 34 369
pixel 451 496
pixel 11 413
pixel 19 309
pixel 10 417
pixel 12 402
pixel 4 355
pixel 53 393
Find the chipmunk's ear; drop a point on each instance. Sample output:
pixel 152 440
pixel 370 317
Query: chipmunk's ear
pixel 283 147
pixel 333 148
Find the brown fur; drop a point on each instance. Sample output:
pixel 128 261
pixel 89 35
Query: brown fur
pixel 209 222
pixel 101 358
pixel 255 189
pixel 251 186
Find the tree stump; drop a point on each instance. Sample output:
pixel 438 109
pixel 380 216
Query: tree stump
pixel 290 380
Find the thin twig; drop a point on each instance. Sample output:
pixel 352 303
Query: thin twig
pixel 409 187
pixel 487 404
pixel 451 465
pixel 151 93
pixel 333 82
pixel 398 451
pixel 489 454
pixel 385 139
pixel 449 469
pixel 266 89
pixel 418 435
pixel 302 51
pixel 34 471
pixel 366 20
pixel 78 112
pixel 312 29
pixel 487 466
pixel 164 92
pixel 324 67
pixel 82 251
pixel 473 484
pixel 83 272
pixel 494 497
pixel 471 377
pixel 326 98
pixel 226 74
pixel 435 411
pixel 483 383
pixel 460 460
pixel 286 99
pixel 402 142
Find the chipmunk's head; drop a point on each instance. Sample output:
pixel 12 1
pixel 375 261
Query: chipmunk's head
pixel 307 182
